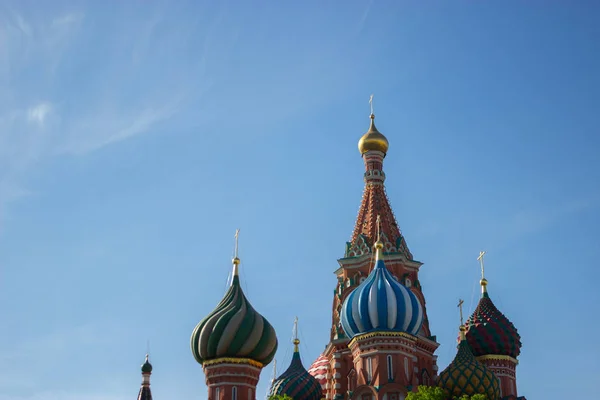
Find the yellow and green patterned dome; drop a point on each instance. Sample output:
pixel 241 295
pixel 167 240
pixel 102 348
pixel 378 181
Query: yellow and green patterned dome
pixel 467 376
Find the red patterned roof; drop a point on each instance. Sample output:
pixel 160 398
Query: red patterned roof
pixel 490 332
pixel 319 369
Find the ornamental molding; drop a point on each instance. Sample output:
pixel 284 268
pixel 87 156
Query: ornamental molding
pixel 230 360
pixel 497 357
pixel 383 334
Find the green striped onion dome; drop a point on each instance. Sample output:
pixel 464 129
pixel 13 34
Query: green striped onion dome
pixel 490 332
pixel 296 382
pixel 467 376
pixel 234 330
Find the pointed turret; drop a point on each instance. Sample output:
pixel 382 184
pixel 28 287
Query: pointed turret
pixel 373 147
pixel 145 393
pixel 233 343
pixel 296 382
pixel 493 338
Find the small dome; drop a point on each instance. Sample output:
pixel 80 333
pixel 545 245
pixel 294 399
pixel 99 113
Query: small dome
pixel 467 376
pixel 490 332
pixel 373 140
pixel 296 382
pixel 146 366
pixel 234 329
pixel 319 370
pixel 381 303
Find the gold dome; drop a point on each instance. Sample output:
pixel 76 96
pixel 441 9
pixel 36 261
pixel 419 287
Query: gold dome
pixel 373 140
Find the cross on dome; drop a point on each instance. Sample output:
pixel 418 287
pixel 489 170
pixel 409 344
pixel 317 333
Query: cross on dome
pixel 480 259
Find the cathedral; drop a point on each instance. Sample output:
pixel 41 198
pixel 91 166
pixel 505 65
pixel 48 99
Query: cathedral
pixel 380 344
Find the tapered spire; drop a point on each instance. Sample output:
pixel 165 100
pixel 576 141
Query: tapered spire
pixel 145 393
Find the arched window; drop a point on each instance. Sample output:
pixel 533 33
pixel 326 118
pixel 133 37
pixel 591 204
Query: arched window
pixel 425 378
pixel 370 369
pixel 218 393
pixel 390 368
pixel 234 393
pixel 407 282
pixel 406 368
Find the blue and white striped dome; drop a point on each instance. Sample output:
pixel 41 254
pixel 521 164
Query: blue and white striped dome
pixel 381 303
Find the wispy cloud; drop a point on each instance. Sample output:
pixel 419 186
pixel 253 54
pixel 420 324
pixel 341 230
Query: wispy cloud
pixel 39 112
pixel 67 19
pixel 60 95
pixel 365 15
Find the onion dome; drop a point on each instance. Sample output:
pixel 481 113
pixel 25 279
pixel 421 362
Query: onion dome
pixel 489 331
pixel 373 140
pixel 146 366
pixel 145 393
pixel 296 382
pixel 381 303
pixel 234 329
pixel 319 370
pixel 467 376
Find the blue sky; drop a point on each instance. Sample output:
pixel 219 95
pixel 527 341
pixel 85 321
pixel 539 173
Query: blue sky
pixel 135 137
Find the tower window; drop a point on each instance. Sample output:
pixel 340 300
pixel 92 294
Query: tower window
pixel 218 393
pixel 390 368
pixel 425 378
pixel 234 393
pixel 370 369
pixel 407 282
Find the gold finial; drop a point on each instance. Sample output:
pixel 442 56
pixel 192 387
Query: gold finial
pixel 463 333
pixel 378 243
pixel 296 340
pixel 483 282
pixel 462 325
pixel 373 139
pixel 236 260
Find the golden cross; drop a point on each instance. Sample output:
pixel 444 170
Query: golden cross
pixel 460 304
pixel 480 259
pixel 237 236
pixel 378 227
pixel 371 103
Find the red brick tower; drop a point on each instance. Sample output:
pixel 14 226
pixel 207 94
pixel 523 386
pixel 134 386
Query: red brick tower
pixel 412 356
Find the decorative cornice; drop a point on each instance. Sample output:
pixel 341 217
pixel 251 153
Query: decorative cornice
pixel 498 357
pixel 229 360
pixel 370 335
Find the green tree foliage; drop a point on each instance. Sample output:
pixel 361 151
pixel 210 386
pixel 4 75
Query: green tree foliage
pixel 280 397
pixel 427 393
pixel 437 393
